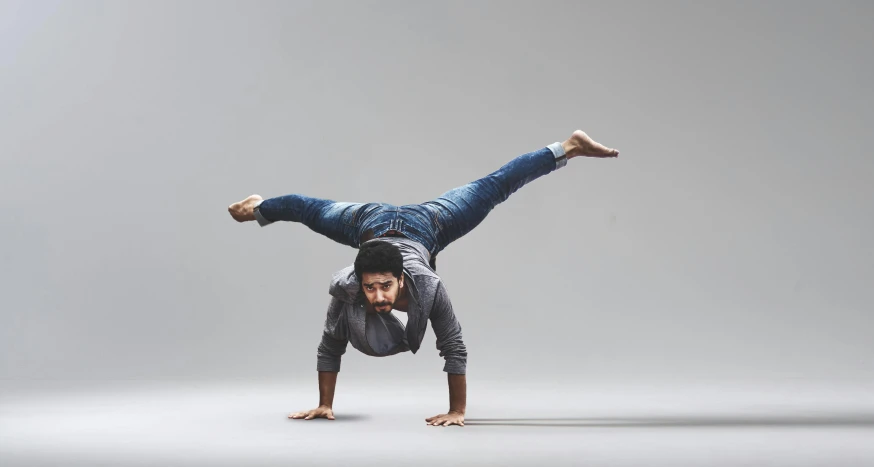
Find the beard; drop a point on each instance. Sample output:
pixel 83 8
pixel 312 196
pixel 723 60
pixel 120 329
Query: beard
pixel 389 306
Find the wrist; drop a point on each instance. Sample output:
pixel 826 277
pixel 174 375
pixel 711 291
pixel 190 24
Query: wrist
pixel 457 411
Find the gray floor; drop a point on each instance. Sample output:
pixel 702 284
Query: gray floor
pixel 123 423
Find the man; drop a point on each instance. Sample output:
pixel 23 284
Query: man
pixel 395 267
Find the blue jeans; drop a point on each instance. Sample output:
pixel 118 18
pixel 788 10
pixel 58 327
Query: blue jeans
pixel 435 224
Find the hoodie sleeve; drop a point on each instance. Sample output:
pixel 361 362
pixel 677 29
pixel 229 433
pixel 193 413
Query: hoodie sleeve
pixel 448 332
pixel 334 337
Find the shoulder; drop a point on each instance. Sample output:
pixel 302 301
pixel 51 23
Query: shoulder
pixel 418 269
pixel 429 287
pixel 344 284
pixel 421 273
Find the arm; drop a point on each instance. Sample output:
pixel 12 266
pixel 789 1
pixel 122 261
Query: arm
pixel 452 349
pixel 457 393
pixel 327 383
pixel 334 338
pixel 447 329
pixel 331 349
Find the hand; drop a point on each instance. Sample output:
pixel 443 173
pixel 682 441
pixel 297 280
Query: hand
pixel 451 418
pixel 319 412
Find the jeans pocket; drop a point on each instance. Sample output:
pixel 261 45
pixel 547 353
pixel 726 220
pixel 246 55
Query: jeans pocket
pixel 350 215
pixel 436 218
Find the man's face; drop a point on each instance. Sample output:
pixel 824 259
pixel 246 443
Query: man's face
pixel 382 290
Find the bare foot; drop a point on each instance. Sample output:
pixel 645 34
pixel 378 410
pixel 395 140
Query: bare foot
pixel 243 211
pixel 581 144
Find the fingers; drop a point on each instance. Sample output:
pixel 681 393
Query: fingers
pixel 319 414
pixel 443 420
pixel 311 414
pixel 446 422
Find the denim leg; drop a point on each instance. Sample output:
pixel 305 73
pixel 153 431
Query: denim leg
pixel 459 210
pixel 333 219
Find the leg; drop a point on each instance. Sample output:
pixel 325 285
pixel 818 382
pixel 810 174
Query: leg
pixel 335 220
pixel 458 211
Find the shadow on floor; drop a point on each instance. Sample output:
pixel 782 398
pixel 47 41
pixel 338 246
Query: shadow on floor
pixel 858 420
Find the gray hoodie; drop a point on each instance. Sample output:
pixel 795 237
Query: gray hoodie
pixel 382 334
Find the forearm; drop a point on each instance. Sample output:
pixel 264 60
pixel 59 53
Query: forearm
pixel 327 383
pixel 457 393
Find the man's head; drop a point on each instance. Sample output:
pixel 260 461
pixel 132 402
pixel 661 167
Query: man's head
pixel 379 267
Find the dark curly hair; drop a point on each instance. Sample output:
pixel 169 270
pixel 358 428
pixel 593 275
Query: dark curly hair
pixel 379 256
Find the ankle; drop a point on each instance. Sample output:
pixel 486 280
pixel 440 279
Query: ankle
pixel 570 149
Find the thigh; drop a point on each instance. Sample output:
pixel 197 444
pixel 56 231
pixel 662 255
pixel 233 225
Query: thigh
pixel 340 221
pixel 337 220
pixel 457 211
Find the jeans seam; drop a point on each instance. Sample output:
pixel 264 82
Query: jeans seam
pixel 437 220
pixel 354 216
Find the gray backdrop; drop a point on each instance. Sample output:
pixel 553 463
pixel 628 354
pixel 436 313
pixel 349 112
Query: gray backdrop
pixel 731 239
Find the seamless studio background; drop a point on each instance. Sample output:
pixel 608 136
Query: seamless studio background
pixel 704 299
pixel 729 241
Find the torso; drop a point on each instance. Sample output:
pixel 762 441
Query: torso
pixel 402 304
